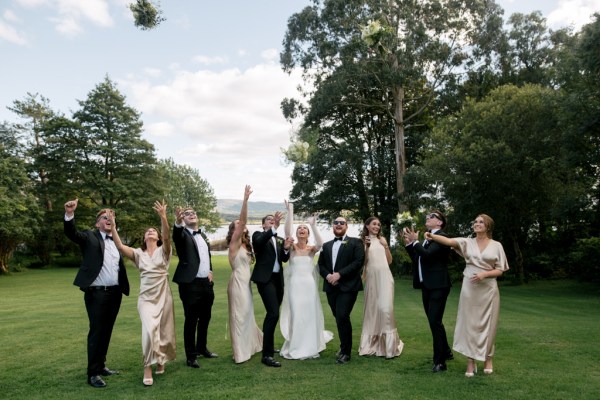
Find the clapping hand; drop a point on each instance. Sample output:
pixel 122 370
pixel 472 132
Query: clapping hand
pixel 409 235
pixel 277 217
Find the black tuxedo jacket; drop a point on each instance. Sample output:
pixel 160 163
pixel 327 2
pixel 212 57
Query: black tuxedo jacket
pixel 189 255
pixel 92 249
pixel 434 264
pixel 349 264
pixel 265 251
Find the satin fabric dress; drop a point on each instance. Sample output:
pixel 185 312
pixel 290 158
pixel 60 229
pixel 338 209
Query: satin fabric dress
pixel 302 322
pixel 246 336
pixel 155 306
pixel 379 335
pixel 479 303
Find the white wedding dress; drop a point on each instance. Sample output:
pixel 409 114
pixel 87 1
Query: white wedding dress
pixel 301 321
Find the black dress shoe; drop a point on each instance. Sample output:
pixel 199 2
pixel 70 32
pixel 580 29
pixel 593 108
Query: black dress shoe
pixel 449 356
pixel 96 381
pixel 209 354
pixel 270 362
pixel 338 354
pixel 343 359
pixel 108 372
pixel 193 363
pixel 439 368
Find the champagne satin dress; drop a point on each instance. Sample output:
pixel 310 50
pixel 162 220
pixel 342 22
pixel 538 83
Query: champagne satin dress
pixel 479 303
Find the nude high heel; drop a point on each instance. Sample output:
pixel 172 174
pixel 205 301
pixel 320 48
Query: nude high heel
pixel 160 369
pixel 147 381
pixel 488 371
pixel 471 374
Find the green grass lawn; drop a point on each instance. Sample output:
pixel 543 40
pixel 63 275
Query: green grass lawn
pixel 547 348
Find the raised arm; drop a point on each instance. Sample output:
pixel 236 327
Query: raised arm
pixel 312 221
pixel 161 210
pixel 125 250
pixel 236 237
pixel 289 218
pixel 446 241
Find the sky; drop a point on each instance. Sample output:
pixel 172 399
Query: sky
pixel 207 81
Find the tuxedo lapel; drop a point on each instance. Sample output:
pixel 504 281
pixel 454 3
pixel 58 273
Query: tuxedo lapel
pixel 100 240
pixel 185 230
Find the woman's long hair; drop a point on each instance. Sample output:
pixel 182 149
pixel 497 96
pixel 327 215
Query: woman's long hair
pixel 245 241
pixel 365 231
pixel 489 224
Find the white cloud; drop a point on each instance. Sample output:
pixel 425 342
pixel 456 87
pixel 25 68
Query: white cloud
pixel 70 16
pixel 574 13
pixel 10 16
pixel 10 34
pixel 32 3
pixel 270 54
pixel 160 129
pixel 206 60
pixel 152 72
pixel 226 124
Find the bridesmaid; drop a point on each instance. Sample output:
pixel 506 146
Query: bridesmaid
pixel 246 337
pixel 155 302
pixel 379 333
pixel 479 302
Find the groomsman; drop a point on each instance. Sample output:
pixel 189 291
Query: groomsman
pixel 340 264
pixel 430 274
pixel 271 252
pixel 194 278
pixel 103 279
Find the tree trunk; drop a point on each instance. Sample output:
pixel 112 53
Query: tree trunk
pixel 400 149
pixel 6 251
pixel 519 271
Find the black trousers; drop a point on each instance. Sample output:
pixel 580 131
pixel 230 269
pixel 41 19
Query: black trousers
pixel 341 304
pixel 434 303
pixel 271 294
pixel 102 307
pixel 197 297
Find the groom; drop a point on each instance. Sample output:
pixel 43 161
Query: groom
pixel 340 264
pixel 271 252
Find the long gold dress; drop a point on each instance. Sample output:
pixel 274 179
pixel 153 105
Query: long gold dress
pixel 246 336
pixel 479 303
pixel 379 335
pixel 155 306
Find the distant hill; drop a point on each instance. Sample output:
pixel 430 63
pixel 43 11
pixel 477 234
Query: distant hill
pixel 229 209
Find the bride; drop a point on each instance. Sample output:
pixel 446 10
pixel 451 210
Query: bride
pixel 301 322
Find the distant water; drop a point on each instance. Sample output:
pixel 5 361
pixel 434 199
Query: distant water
pixel 325 230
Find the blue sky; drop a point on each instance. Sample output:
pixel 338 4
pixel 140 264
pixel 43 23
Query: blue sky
pixel 207 81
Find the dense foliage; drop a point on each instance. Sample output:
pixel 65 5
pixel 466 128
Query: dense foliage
pixel 443 104
pixel 98 156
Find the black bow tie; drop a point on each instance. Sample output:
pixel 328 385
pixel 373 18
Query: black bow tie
pixel 338 238
pixel 109 238
pixel 198 232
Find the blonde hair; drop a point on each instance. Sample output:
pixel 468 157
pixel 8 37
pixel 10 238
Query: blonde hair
pixel 488 222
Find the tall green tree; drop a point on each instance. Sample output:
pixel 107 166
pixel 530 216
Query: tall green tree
pixel 100 157
pixel 20 214
pixel 419 45
pixel 184 187
pixel 35 112
pixel 506 156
